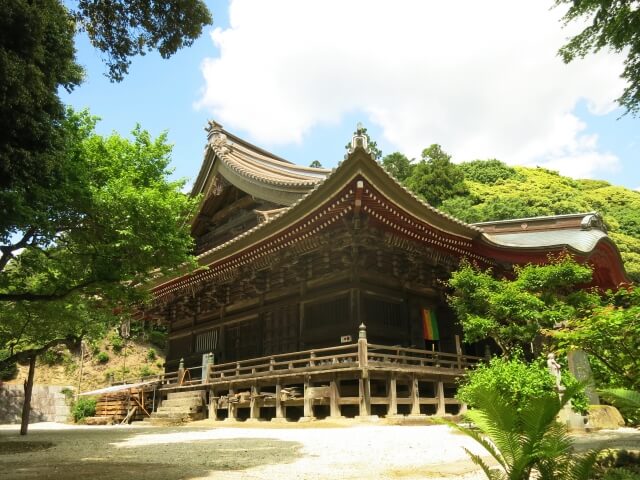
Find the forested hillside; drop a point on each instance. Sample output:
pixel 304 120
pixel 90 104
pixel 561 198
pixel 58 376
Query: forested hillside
pixel 491 190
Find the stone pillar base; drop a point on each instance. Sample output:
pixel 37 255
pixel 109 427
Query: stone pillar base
pixel 279 420
pixel 367 418
pixel 306 419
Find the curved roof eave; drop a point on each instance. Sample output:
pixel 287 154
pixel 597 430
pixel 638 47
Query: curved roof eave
pixel 357 163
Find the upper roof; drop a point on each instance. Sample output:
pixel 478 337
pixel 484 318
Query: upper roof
pixel 313 199
pixel 253 170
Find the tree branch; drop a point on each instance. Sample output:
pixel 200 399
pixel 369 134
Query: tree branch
pixel 70 341
pixel 44 297
pixel 7 250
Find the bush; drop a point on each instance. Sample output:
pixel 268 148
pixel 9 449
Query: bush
pixel 51 357
pixel 516 380
pixel 617 465
pixel 158 338
pixel 84 407
pixel 151 355
pixel 117 343
pixel 146 371
pixel 102 357
pixel 8 370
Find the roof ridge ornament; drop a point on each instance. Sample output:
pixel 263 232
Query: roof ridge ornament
pixel 217 138
pixel 359 140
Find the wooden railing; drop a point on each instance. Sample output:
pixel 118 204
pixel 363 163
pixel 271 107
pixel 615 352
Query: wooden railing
pixel 343 356
pixel 411 357
pixel 360 355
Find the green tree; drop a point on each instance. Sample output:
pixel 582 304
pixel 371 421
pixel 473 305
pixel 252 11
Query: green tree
pixel 435 178
pixel 515 312
pixel 315 164
pixel 526 442
pixel 117 219
pixel 487 171
pixel 37 58
pixel 614 26
pixel 398 165
pixel 122 29
pixel 610 334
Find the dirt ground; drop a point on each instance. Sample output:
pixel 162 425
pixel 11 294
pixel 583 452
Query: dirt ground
pixel 319 450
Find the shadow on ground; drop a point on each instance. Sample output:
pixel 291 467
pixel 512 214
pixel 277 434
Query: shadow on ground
pixel 74 454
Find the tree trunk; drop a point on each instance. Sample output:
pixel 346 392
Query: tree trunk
pixel 28 388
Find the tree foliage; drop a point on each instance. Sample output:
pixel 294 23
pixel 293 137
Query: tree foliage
pixel 122 29
pixel 611 336
pixel 398 165
pixel 115 219
pixel 517 381
pixel 37 57
pixel 614 26
pixel 515 312
pixel 435 178
pixel 495 192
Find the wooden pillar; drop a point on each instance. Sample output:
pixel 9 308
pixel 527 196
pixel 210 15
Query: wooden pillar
pixel 440 412
pixel 254 407
pixel 334 398
pixel 279 406
pixel 213 406
pixel 307 406
pixel 458 351
pixel 364 387
pixel 415 396
pixel 232 409
pixel 393 396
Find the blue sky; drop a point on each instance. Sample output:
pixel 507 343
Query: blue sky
pixel 295 78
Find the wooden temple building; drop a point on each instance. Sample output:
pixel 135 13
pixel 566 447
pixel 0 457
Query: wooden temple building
pixel 322 292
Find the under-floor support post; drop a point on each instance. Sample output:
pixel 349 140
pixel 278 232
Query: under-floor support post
pixel 254 406
pixel 279 406
pixel 213 406
pixel 232 408
pixel 334 398
pixel 307 405
pixel 393 396
pixel 364 391
pixel 415 396
pixel 440 412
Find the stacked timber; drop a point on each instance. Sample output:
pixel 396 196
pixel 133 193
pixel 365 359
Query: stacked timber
pixel 129 406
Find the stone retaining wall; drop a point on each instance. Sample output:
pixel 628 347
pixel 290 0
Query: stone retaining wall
pixel 48 404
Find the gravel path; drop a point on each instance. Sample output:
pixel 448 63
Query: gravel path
pixel 319 450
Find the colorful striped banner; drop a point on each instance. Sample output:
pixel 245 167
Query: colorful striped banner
pixel 430 325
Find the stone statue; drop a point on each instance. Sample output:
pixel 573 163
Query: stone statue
pixel 554 369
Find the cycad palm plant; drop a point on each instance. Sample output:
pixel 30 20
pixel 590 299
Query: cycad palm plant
pixel 526 440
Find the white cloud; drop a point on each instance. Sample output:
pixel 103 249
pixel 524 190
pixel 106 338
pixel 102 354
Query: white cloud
pixel 481 78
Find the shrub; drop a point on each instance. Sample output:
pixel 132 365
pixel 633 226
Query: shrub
pixel 102 357
pixel 158 338
pixel 517 381
pixel 51 357
pixel 146 371
pixel 151 355
pixel 84 407
pixel 8 370
pixel 117 343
